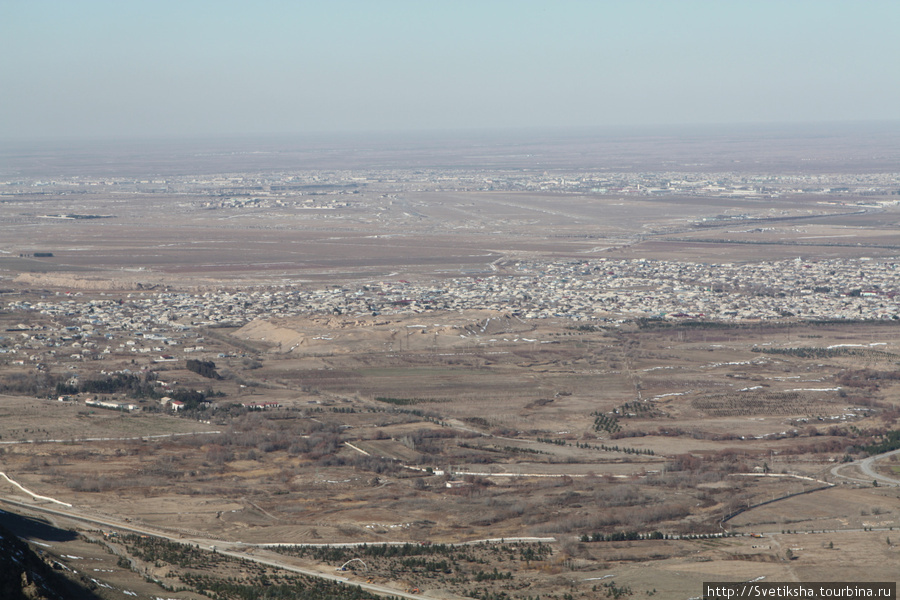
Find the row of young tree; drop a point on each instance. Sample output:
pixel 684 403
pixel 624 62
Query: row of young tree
pixel 816 352
pixel 337 554
pixel 633 536
pixel 623 536
pixel 256 583
pixel 887 442
pixel 603 422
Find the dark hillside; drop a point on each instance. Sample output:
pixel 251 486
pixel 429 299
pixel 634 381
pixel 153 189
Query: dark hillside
pixel 24 576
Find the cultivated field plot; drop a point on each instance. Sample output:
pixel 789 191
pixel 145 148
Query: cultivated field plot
pixel 27 420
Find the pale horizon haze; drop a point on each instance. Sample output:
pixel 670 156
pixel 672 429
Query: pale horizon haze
pixel 112 69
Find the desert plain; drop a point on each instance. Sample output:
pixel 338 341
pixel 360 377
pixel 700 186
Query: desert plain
pixel 555 368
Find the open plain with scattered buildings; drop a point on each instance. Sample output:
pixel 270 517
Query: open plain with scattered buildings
pixel 569 368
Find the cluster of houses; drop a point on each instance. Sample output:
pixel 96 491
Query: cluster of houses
pixel 165 402
pixel 320 188
pixel 164 324
pixel 97 402
pixel 261 405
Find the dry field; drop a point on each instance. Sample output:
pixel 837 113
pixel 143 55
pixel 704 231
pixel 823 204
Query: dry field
pixel 656 455
pixel 593 433
pixel 387 230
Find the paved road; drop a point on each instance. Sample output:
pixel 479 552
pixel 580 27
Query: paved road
pixel 254 552
pixel 226 548
pixel 110 439
pixel 866 467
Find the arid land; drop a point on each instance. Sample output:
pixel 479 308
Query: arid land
pixel 654 374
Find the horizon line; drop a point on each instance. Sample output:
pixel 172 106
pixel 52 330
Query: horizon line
pixel 418 134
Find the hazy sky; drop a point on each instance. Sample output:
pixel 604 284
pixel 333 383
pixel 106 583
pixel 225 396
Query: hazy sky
pixel 126 68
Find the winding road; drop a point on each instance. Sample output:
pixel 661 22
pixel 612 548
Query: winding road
pixel 235 550
pixel 866 467
pixel 258 553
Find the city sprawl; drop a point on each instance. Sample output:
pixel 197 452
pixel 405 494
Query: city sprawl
pixel 589 292
pixel 560 370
